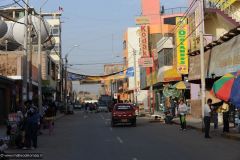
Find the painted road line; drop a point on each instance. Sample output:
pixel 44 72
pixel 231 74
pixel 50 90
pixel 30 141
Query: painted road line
pixel 119 140
pixel 111 129
pixel 134 158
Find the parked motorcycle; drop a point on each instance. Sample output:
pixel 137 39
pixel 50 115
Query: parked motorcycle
pixel 3 147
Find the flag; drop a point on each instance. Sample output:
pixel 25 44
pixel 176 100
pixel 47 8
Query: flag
pixel 130 72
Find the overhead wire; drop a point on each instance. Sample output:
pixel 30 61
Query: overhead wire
pixel 181 21
pixel 196 27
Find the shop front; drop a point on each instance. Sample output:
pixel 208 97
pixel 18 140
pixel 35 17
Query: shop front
pixel 7 101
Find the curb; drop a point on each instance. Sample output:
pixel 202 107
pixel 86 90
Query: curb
pixel 227 136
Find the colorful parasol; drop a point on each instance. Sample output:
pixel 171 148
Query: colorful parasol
pixel 227 88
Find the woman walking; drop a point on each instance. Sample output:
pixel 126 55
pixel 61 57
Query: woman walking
pixel 182 110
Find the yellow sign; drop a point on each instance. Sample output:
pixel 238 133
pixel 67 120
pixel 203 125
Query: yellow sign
pixel 141 20
pixel 182 46
pixel 222 4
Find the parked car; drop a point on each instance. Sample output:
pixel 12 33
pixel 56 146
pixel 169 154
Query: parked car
pixel 123 113
pixel 77 106
pixel 102 107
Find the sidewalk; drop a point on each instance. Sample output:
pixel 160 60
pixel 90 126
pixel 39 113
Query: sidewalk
pixel 3 128
pixel 195 123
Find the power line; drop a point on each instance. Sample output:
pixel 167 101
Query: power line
pixel 196 27
pixel 8 5
pixel 84 64
pixel 181 21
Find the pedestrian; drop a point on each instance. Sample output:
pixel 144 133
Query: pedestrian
pixel 225 109
pixel 215 116
pixel 182 110
pixel 207 117
pixel 173 106
pixel 49 117
pixel 33 119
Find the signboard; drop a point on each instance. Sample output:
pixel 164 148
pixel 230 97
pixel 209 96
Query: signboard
pixel 115 96
pixel 142 20
pixel 130 72
pixel 182 46
pixel 146 62
pixel 144 41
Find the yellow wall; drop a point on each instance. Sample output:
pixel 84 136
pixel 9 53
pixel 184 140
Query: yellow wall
pixel 217 25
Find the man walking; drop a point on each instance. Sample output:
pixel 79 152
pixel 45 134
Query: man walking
pixel 207 116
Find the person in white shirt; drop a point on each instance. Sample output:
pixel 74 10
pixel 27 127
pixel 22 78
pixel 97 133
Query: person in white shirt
pixel 182 110
pixel 207 117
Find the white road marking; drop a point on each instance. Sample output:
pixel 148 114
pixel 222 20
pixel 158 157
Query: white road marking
pixel 106 122
pixel 85 116
pixel 111 129
pixel 119 140
pixel 134 158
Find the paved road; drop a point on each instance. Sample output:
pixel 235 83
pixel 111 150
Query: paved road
pixel 90 137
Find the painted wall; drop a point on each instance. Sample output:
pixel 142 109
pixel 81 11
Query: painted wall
pixel 133 44
pixel 151 8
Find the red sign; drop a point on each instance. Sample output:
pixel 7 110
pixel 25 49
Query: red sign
pixel 144 41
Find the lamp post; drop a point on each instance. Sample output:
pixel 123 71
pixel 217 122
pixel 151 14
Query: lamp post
pixel 66 63
pixel 39 60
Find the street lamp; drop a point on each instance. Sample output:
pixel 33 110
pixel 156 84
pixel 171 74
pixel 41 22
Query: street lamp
pixel 66 63
pixel 39 60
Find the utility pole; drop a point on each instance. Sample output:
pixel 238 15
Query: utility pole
pixel 65 93
pixel 24 64
pixel 39 65
pixel 30 92
pixel 135 76
pixel 203 96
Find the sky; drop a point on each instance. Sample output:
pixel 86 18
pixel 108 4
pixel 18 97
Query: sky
pixel 97 26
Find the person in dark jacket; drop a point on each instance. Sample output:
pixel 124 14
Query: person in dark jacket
pixel 32 121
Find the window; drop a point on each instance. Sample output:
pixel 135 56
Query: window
pixel 165 57
pixel 124 45
pixel 48 66
pixel 55 31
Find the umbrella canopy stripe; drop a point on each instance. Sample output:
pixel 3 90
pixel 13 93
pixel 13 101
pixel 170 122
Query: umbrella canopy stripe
pixel 227 88
pixel 235 94
pixel 224 91
pixel 221 82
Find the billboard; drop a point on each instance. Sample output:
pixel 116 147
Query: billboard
pixel 182 46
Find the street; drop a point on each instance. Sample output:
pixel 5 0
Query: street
pixel 89 137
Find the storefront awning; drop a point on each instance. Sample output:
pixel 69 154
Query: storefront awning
pixel 168 74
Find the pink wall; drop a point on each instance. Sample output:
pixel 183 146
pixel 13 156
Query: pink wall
pixel 151 9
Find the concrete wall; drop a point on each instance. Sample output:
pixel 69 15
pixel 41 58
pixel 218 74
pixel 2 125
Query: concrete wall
pixel 133 44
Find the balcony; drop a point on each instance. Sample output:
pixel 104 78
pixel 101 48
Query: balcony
pixel 172 11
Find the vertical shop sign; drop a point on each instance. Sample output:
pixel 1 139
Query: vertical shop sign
pixel 144 41
pixel 182 47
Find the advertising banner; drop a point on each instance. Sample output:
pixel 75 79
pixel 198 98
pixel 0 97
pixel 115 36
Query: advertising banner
pixel 182 46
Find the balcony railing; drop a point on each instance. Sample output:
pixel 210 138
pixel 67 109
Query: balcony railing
pixel 176 10
pixel 230 10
